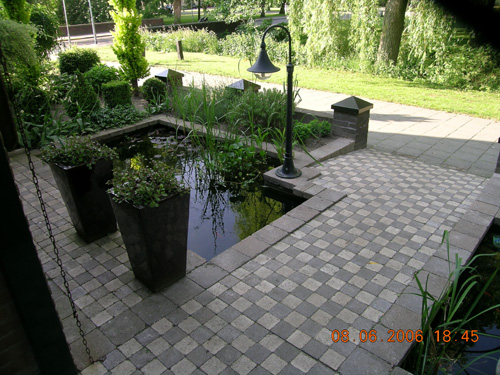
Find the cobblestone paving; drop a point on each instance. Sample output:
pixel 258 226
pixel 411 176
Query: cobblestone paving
pixel 351 267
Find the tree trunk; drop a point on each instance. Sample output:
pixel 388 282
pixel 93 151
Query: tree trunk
pixel 177 11
pixel 282 7
pixel 394 20
pixel 262 8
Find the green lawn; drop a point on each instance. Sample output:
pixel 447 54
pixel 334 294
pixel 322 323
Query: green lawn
pixel 474 103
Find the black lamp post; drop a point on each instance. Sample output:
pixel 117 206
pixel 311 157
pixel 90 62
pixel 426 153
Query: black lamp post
pixel 262 69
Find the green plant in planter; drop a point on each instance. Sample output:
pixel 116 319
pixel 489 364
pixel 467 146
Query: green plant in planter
pixel 77 151
pixel 145 183
pixel 152 210
pixel 81 169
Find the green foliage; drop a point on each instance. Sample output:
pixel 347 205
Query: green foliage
pixel 100 74
pixel 303 131
pixel 81 98
pixel 234 10
pixel 128 45
pixel 116 93
pixel 192 40
pixel 16 10
pixel 454 310
pixel 33 103
pixel 145 183
pixel 77 59
pixel 78 11
pixel 76 151
pixel 265 109
pixel 246 44
pixel 117 117
pixel 48 27
pixel 153 89
pixel 427 37
pixel 18 48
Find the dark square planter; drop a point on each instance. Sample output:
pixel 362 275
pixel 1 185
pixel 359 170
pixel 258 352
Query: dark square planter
pixel 156 239
pixel 84 193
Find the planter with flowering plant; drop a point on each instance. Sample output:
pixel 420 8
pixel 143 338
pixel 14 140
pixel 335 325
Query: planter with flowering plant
pixel 152 210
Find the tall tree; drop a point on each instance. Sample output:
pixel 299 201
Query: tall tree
pixel 16 10
pixel 177 11
pixel 394 21
pixel 128 46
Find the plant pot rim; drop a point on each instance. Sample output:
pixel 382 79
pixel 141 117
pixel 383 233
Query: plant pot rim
pixel 112 195
pixel 66 167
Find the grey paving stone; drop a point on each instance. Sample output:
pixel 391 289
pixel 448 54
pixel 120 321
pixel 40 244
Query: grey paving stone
pixel 230 259
pixel 207 275
pixel 123 327
pixel 182 291
pixel 251 246
pixel 362 362
pixel 153 308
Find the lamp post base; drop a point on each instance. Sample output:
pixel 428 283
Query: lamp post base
pixel 288 170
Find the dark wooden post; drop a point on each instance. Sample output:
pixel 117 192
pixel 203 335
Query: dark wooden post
pixel 180 54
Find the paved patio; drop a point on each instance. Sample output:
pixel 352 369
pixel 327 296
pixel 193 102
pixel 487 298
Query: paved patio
pixel 343 260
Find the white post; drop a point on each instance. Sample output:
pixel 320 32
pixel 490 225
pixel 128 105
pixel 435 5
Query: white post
pixel 66 18
pixel 92 21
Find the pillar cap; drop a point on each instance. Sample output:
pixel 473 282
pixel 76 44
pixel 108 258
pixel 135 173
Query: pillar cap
pixel 169 73
pixel 244 85
pixel 352 105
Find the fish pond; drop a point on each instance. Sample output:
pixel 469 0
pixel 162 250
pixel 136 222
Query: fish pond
pixel 226 207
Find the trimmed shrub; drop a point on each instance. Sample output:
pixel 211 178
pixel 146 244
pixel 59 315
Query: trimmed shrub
pixel 100 74
pixel 34 104
pixel 154 90
pixel 81 98
pixel 116 93
pixel 82 59
pixel 315 128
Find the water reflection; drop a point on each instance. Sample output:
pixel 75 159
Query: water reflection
pixel 219 215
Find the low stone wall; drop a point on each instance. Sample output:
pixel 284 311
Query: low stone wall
pixel 103 27
pixel 152 24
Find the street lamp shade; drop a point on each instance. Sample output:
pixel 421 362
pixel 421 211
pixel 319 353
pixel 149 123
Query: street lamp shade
pixel 263 67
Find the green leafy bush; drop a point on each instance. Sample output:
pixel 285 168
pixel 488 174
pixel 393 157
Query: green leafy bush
pixel 117 117
pixel 48 27
pixel 33 103
pixel 18 48
pixel 192 40
pixel 153 90
pixel 77 59
pixel 76 151
pixel 128 45
pixel 265 109
pixel 144 183
pixel 303 131
pixel 116 93
pixel 100 74
pixel 81 98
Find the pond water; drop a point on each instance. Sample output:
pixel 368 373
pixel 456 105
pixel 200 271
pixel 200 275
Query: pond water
pixel 219 216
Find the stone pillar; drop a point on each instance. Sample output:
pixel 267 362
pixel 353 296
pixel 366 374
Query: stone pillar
pixel 350 120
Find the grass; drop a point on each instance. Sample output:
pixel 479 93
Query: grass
pixel 474 103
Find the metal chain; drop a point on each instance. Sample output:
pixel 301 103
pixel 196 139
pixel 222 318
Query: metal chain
pixel 31 165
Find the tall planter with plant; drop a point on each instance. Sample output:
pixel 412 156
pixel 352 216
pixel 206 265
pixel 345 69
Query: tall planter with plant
pixel 152 210
pixel 81 169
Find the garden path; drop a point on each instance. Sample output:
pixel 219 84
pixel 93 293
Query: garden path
pixel 343 260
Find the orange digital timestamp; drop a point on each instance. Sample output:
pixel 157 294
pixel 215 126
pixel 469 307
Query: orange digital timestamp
pixel 400 335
